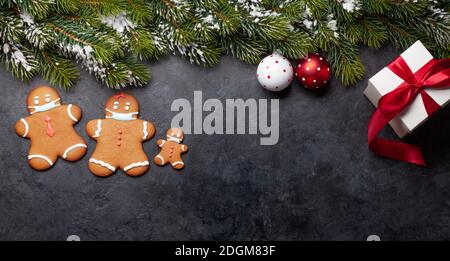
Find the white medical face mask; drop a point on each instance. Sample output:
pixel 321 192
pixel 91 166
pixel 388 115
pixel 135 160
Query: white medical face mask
pixel 121 116
pixel 45 107
pixel 171 138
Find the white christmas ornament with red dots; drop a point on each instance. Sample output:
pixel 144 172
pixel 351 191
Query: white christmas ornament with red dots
pixel 313 71
pixel 275 72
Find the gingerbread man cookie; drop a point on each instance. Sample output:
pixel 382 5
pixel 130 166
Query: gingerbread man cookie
pixel 119 138
pixel 171 149
pixel 50 129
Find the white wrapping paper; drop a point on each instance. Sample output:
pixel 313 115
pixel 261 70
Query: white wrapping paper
pixel 385 81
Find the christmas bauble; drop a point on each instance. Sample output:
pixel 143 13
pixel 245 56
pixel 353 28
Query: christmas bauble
pixel 313 71
pixel 275 72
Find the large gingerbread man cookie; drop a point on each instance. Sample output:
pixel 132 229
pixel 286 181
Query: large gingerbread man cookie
pixel 50 129
pixel 119 138
pixel 171 149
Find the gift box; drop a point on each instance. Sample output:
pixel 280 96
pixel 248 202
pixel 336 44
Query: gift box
pixel 385 81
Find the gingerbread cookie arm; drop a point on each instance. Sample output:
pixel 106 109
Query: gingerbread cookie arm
pixel 160 143
pixel 94 128
pixel 148 130
pixel 23 128
pixel 74 112
pixel 184 148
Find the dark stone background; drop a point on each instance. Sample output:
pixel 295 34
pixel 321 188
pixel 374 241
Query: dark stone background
pixel 320 182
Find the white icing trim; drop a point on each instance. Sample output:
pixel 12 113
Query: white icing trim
pixel 69 111
pixel 183 147
pixel 99 129
pixel 73 147
pixel 177 162
pixel 162 143
pixel 103 164
pixel 161 158
pixel 145 130
pixel 26 127
pixel 41 157
pixel 135 165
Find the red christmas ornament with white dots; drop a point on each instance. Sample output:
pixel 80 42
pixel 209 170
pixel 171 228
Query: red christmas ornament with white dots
pixel 275 72
pixel 313 71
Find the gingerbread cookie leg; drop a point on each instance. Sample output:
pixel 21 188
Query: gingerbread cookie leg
pixel 101 168
pixel 39 160
pixel 159 160
pixel 177 163
pixel 137 168
pixel 75 152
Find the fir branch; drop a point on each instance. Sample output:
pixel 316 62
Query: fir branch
pixel 139 11
pixel 105 37
pixel 57 70
pixel 66 6
pixel 245 49
pixel 38 36
pixel 38 8
pixel 377 7
pixel 346 63
pixel 105 47
pixel 297 44
pixel 172 10
pixel 367 30
pixel 142 44
pixel 126 73
pixel 20 60
pixel 268 28
pixel 103 7
pixel 11 27
pixel 398 35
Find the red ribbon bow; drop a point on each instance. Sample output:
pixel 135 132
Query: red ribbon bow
pixel 435 74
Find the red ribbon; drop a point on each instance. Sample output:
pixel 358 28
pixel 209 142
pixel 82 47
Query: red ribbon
pixel 434 75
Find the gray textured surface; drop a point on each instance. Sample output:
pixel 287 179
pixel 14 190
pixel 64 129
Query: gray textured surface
pixel 319 182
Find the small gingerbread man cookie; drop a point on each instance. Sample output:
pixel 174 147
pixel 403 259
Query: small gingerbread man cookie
pixel 171 149
pixel 119 138
pixel 50 129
